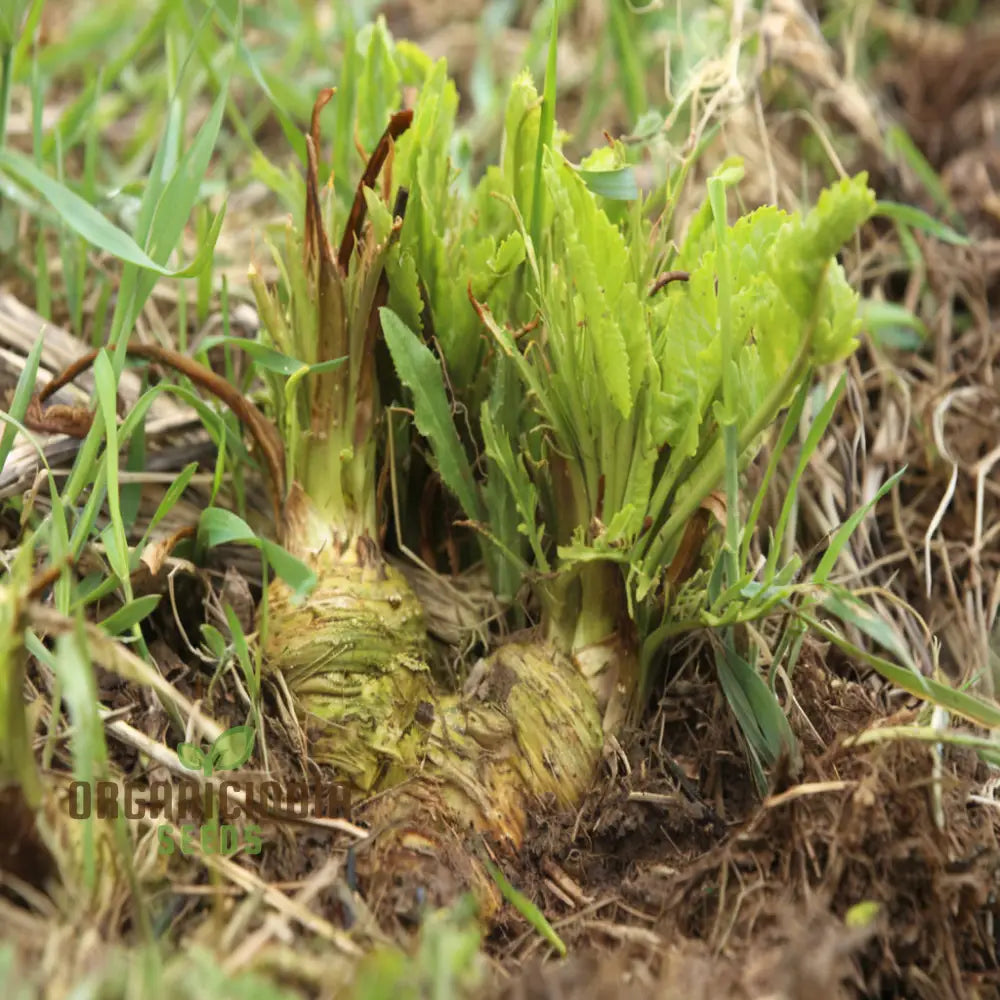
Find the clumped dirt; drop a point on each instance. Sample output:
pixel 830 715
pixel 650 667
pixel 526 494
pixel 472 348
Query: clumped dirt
pixel 873 872
pixel 840 882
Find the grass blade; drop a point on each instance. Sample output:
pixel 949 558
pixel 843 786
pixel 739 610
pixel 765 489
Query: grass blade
pixel 22 394
pixel 816 430
pixel 757 711
pixel 546 128
pixel 853 611
pixel 848 528
pixel 526 908
pixel 130 614
pixel 976 710
pixel 910 215
pixel 81 217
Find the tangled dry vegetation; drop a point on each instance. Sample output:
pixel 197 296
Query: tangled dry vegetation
pixel 875 871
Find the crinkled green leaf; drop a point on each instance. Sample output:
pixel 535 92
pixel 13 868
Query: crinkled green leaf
pixel 767 326
pixel 413 63
pixel 508 255
pixel 605 319
pixel 800 256
pixel 699 236
pixel 424 166
pixel 378 86
pixel 627 521
pixel 500 451
pixel 686 346
pixel 404 289
pixel 520 140
pixel 421 372
pixel 506 557
pixel 839 320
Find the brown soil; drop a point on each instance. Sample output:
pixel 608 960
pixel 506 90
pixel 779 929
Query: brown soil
pixel 868 874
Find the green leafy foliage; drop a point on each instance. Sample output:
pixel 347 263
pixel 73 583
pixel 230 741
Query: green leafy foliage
pixel 220 527
pixel 456 245
pixel 623 388
pixel 421 372
pixel 377 86
pixel 518 155
pixel 579 420
pixel 598 336
pixel 615 412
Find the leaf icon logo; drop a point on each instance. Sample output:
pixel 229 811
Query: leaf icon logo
pixel 231 750
pixel 193 757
